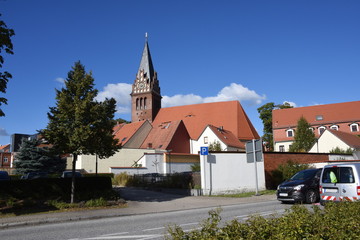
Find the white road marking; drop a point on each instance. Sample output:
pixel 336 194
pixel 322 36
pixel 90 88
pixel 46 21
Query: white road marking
pixel 153 229
pixel 187 224
pixel 114 234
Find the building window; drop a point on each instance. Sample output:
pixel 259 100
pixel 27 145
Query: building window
pixel 354 127
pixel 319 118
pixel 206 140
pixel 137 104
pixel 290 133
pixel 334 127
pixel 145 103
pixel 281 148
pixel 6 160
pixel 321 130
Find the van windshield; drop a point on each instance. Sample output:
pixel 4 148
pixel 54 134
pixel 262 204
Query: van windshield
pixel 305 174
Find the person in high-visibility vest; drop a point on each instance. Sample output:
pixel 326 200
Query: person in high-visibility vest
pixel 333 178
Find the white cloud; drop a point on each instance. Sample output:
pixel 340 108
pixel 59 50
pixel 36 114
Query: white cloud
pixel 60 80
pixel 121 93
pixel 228 93
pixel 291 103
pixel 178 100
pixel 3 132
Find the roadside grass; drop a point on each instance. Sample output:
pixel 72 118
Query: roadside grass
pixel 246 194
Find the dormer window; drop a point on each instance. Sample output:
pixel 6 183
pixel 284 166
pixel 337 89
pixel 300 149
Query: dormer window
pixel 321 129
pixel 354 127
pixel 334 127
pixel 290 133
pixel 319 117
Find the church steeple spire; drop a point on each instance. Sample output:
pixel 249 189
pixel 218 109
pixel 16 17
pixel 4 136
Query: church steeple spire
pixel 146 62
pixel 145 95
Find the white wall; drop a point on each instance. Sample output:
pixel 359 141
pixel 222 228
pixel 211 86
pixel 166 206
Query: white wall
pixel 356 155
pixel 230 173
pixel 155 163
pixel 125 157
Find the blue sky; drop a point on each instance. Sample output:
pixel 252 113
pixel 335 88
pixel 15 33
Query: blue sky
pixel 303 52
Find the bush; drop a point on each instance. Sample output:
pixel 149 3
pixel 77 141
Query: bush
pixel 286 171
pixel 337 221
pixel 43 189
pixel 121 179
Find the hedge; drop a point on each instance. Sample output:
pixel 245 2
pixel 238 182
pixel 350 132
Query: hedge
pixel 55 188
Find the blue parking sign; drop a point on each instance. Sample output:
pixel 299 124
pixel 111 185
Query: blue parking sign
pixel 204 150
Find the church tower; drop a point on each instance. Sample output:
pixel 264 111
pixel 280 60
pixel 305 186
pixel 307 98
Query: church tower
pixel 145 94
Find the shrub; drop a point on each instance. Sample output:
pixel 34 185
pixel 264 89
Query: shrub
pixel 99 202
pixel 121 179
pixel 336 221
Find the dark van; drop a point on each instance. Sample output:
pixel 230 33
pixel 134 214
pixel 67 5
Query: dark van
pixel 302 187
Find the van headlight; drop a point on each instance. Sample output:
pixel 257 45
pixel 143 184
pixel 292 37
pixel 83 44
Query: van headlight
pixel 299 187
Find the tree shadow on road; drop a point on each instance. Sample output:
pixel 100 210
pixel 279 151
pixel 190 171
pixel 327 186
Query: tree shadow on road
pixel 151 195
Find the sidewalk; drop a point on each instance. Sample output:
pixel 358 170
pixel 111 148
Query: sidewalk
pixel 138 201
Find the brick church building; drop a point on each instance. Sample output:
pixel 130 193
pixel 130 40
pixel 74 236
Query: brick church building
pixel 179 129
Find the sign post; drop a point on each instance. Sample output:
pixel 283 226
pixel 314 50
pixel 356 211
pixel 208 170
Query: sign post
pixel 254 154
pixel 204 152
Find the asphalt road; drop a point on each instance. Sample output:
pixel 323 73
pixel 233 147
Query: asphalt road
pixel 147 217
pixel 143 226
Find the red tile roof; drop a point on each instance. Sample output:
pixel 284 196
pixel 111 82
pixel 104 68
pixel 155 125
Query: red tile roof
pixel 161 135
pixel 330 113
pixel 124 131
pixel 196 117
pixel 348 138
pixel 227 137
pixel 5 148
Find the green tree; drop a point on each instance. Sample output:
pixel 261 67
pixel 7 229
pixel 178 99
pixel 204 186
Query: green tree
pixel 195 167
pixel 32 158
pixel 79 124
pixel 265 112
pixel 215 146
pixel 7 46
pixel 120 120
pixel 304 137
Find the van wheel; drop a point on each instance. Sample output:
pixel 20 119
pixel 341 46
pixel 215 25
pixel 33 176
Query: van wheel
pixel 311 196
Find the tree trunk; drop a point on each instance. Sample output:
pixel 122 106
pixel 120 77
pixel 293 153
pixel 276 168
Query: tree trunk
pixel 73 178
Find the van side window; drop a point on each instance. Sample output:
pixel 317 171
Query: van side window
pixel 329 175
